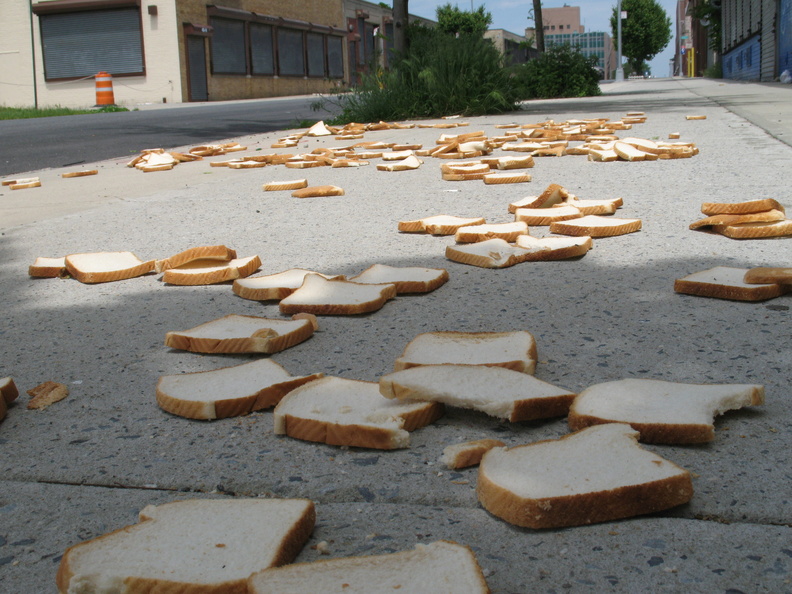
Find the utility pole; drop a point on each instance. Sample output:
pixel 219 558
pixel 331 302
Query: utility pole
pixel 400 20
pixel 538 25
pixel 619 69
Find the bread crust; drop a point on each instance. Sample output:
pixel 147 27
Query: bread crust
pixel 724 291
pixel 204 252
pixel 749 206
pixel 216 272
pixel 577 229
pixel 72 264
pixel 564 253
pixel 756 230
pixel 768 275
pixel 48 268
pixel 386 292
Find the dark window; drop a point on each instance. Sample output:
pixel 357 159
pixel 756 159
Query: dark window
pixel 291 61
pixel 261 49
pixel 228 47
pixel 80 44
pixel 335 57
pixel 316 54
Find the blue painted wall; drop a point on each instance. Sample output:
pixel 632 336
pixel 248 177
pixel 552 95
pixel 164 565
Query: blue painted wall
pixel 743 62
pixel 784 28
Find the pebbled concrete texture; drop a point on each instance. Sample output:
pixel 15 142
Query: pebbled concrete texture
pixel 88 464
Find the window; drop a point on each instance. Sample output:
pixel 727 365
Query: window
pixel 228 47
pixel 316 54
pixel 335 57
pixel 262 56
pixel 291 61
pixel 80 44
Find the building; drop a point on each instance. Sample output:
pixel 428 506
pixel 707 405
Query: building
pixel 565 19
pixel 513 47
pixel 693 55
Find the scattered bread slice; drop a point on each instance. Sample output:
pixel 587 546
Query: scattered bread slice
pixel 725 282
pixel 496 391
pixel 553 195
pixel 275 286
pixel 441 566
pixel 318 191
pixel 767 275
pixel 513 350
pixel 82 173
pixel 662 412
pixel 594 207
pixel 48 268
pixel 209 272
pixel 401 164
pixel 506 178
pixel 242 334
pixel 296 184
pixel 595 475
pixel 439 224
pixel 205 252
pixel 505 231
pixel 104 267
pixel 8 393
pixel 409 279
pixel 546 216
pixel 766 216
pixel 229 391
pixel 469 453
pixel 345 412
pixel 596 226
pixel 749 206
pixel 197 546
pixel 756 230
pixel 318 295
pixel 491 253
pixel 554 248
pixel 45 394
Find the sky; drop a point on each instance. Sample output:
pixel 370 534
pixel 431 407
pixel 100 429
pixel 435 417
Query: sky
pixel 512 15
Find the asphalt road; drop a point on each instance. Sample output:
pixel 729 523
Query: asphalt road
pixel 30 145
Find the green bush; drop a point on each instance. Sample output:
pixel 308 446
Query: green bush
pixel 561 71
pixel 441 75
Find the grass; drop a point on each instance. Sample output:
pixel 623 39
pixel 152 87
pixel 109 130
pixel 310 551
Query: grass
pixel 23 113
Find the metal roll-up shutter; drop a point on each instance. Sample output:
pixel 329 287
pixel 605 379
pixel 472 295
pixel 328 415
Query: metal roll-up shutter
pixel 77 44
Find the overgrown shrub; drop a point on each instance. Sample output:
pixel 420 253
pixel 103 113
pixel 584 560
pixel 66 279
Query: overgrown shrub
pixel 561 71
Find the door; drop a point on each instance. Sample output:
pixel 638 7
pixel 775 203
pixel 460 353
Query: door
pixel 196 68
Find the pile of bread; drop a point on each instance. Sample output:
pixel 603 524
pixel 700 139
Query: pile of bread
pixel 752 219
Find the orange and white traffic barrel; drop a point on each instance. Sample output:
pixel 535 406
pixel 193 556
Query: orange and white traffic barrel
pixel 104 89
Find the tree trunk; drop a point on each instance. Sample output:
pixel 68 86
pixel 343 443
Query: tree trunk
pixel 400 12
pixel 538 25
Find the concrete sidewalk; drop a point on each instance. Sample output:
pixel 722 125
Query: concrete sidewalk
pixel 88 464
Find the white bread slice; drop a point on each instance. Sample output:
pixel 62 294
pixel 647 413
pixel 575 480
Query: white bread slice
pixel 197 546
pixel 594 207
pixel 242 334
pixel 468 453
pixel 663 412
pixel 756 230
pixel 439 224
pixel 104 267
pixel 496 391
pixel 492 253
pixel 628 152
pixel 554 248
pixel 408 279
pixel 229 391
pixel 320 296
pixel 766 216
pixel 504 231
pixel 345 412
pixel 725 282
pixel 441 567
pixel 546 216
pixel 209 272
pixel 554 194
pixel 595 475
pixel 275 286
pixel 749 206
pixel 8 393
pixel 525 202
pixel 513 350
pixel 596 226
pixel 768 274
pixel 318 192
pixel 506 178
pixel 204 252
pixel 48 268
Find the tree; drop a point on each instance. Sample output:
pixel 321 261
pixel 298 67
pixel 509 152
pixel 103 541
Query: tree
pixel 538 25
pixel 645 32
pixel 400 22
pixel 450 19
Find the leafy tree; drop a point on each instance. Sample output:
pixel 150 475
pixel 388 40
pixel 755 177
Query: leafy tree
pixel 645 32
pixel 561 71
pixel 450 19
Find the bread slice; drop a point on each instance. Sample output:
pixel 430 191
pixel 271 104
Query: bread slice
pixel 554 248
pixel 468 453
pixel 409 279
pixel 242 334
pixel 546 216
pixel 198 546
pixel 318 192
pixel 491 253
pixel 320 296
pixel 663 412
pixel 45 394
pixel 756 230
pixel 595 475
pixel 345 412
pixel 439 224
pixel 275 286
pixel 513 350
pixel 294 184
pixel 209 272
pixel 440 566
pixel 504 231
pixel 506 178
pixel 220 253
pixel 725 282
pixel 229 391
pixel 104 267
pixel 8 393
pixel 749 206
pixel 596 226
pixel 594 207
pixel 48 268
pixel 554 194
pixel 767 275
pixel 496 391
pixel 766 216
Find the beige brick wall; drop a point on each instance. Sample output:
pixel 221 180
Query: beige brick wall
pixel 16 63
